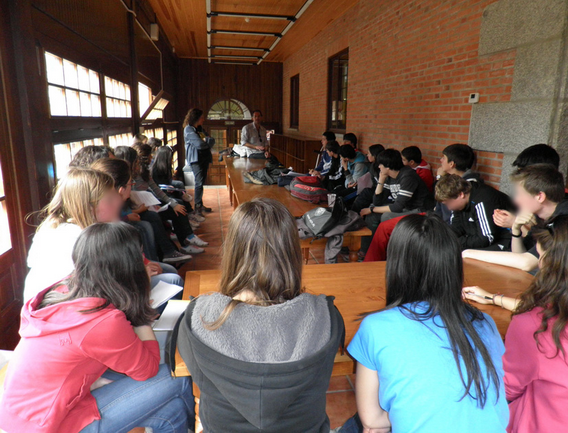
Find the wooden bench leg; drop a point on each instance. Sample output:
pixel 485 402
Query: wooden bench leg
pixel 306 254
pixel 354 247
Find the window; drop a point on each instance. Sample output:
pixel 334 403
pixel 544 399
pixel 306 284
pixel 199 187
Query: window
pixel 73 90
pixel 172 141
pixel 157 133
pixel 295 101
pixel 64 153
pixel 145 98
pixel 5 239
pixel 117 98
pixel 338 78
pixel 229 109
pixel 119 140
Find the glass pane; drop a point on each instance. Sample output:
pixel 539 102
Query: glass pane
pixel 115 88
pixel 5 241
pixel 1 184
pixel 84 79
pixel 54 67
pixel 95 83
pixel 127 93
pixel 70 70
pixel 96 105
pixel 73 103
pixel 122 91
pixel 57 103
pixel 62 154
pixel 108 86
pixel 110 107
pixel 128 110
pixel 86 109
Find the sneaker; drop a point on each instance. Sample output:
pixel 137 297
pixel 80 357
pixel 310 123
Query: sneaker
pixel 195 216
pixel 194 225
pixel 195 240
pixel 192 249
pixel 176 257
pixel 202 209
pixel 173 236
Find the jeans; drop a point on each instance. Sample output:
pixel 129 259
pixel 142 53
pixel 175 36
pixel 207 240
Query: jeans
pixel 164 403
pixel 182 228
pixel 169 275
pixel 200 172
pixel 163 242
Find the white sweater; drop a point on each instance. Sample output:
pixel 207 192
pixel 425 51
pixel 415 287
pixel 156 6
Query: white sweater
pixel 49 258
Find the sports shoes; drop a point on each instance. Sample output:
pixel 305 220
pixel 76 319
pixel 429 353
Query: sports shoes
pixel 192 249
pixel 195 240
pixel 195 216
pixel 202 209
pixel 176 257
pixel 194 225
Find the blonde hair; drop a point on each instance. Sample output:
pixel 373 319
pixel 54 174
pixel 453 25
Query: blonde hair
pixel 76 198
pixel 261 255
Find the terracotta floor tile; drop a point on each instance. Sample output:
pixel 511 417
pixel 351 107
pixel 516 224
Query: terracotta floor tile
pixel 339 383
pixel 340 407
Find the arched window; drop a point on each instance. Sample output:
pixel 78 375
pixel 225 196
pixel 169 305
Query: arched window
pixel 229 109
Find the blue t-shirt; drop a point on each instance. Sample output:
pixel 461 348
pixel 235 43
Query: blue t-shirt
pixel 420 385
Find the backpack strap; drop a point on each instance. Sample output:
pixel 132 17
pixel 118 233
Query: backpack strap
pixel 335 315
pixel 171 345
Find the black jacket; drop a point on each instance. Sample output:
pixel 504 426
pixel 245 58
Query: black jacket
pixel 474 225
pixel 407 192
pixel 472 177
pixel 238 396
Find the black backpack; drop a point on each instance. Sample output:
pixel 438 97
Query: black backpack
pixel 321 219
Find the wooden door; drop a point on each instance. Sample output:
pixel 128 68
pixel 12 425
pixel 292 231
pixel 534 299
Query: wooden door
pixel 15 193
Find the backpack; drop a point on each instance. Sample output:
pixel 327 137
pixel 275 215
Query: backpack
pixel 313 194
pixel 309 180
pixel 321 220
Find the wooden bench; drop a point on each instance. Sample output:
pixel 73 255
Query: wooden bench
pixel 241 192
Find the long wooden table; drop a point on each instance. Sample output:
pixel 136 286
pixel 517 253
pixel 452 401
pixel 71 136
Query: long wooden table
pixel 241 192
pixel 360 287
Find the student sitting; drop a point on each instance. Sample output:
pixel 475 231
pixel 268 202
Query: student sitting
pixel 400 191
pixel 354 165
pixel 539 196
pixel 365 197
pixel 456 159
pixel 536 373
pixel 177 213
pixel 74 331
pixel 261 350
pixel 334 177
pixel 161 172
pixel 428 362
pixel 472 206
pixel 412 156
pixel 89 154
pixel 138 139
pixel 351 140
pixel 536 154
pixel 83 197
pixel 119 170
pixel 166 248
pixel 325 162
pixel 155 143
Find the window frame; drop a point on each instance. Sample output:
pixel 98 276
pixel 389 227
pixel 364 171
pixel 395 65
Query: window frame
pixel 295 101
pixel 330 93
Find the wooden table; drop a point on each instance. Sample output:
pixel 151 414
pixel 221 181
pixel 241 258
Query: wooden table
pixel 241 192
pixel 360 287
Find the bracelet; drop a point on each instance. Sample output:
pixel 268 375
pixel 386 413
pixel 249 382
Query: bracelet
pixel 502 296
pixel 520 235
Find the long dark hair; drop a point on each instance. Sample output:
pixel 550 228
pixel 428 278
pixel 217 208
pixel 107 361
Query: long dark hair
pixel 116 168
pixel 192 117
pixel 425 265
pixel 161 168
pixel 129 155
pixel 109 265
pixel 144 156
pixel 549 289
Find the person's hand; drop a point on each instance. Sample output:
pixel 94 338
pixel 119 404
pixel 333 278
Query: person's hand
pixel 259 147
pixel 345 163
pixel 186 197
pixel 477 294
pixel 155 267
pixel 440 171
pixel 140 209
pixel 100 382
pixel 144 332
pixel 365 212
pixel 383 175
pixel 133 217
pixel 314 173
pixel 503 218
pixel 180 209
pixel 523 219
pixel 150 271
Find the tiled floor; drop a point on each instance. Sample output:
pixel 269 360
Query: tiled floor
pixel 340 396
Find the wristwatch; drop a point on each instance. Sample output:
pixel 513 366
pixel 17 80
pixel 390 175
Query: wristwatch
pixel 371 207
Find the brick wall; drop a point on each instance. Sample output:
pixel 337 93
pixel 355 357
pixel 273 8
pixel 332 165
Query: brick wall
pixel 412 67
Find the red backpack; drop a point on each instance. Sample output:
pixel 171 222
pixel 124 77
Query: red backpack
pixel 313 193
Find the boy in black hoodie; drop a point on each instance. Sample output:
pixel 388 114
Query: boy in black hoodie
pixel 472 206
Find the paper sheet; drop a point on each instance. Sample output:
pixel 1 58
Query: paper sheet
pixel 170 315
pixel 144 197
pixel 163 292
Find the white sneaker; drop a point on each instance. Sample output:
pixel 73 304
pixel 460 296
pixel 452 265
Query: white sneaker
pixel 194 225
pixel 176 257
pixel 195 240
pixel 192 249
pixel 195 216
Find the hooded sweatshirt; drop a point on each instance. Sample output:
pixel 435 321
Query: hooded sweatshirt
pixel 356 168
pixel 286 392
pixel 62 352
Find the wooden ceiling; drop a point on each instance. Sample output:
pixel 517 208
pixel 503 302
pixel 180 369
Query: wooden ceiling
pixel 185 24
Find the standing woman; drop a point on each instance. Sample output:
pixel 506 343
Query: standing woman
pixel 429 362
pixel 197 152
pixel 536 370
pixel 72 332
